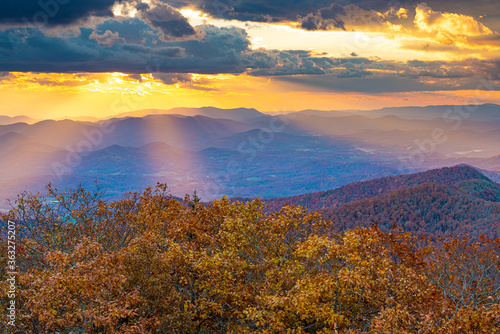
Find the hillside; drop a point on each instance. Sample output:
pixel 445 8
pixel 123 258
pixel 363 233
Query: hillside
pixel 427 209
pixel 458 200
pixel 454 176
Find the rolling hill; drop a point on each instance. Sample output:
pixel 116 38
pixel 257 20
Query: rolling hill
pixel 427 209
pixel 454 176
pixel 458 200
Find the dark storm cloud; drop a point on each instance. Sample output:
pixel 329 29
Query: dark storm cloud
pixel 282 10
pixel 108 49
pixel 133 30
pixel 145 51
pixel 311 14
pixel 337 17
pixel 372 84
pixel 223 43
pixel 168 20
pixel 51 12
pixel 225 50
pixel 44 14
pixel 108 38
pixel 292 62
pixel 391 76
pixel 469 68
pixel 173 78
pixel 273 62
pixel 222 50
pixel 325 19
pixel 340 14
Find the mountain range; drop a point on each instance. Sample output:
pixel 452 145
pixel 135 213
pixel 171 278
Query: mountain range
pixel 243 152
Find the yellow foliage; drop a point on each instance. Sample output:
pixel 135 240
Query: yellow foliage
pixel 151 264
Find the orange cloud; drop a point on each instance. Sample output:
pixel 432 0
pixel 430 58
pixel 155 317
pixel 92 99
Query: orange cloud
pixel 448 25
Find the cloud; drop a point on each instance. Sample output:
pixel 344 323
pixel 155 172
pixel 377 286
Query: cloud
pixel 282 10
pixel 374 84
pixel 274 62
pixel 148 51
pixel 5 77
pixel 53 79
pixel 329 18
pixel 447 25
pixel 485 11
pixel 168 20
pixel 137 77
pixel 173 78
pixel 485 40
pixel 402 13
pixel 160 40
pixel 132 30
pixel 432 46
pixel 50 16
pixel 108 38
pixel 41 13
pixel 222 50
pixel 338 17
pixel 35 52
pixel 185 80
pixel 391 76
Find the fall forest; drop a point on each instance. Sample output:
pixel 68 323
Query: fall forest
pixel 152 264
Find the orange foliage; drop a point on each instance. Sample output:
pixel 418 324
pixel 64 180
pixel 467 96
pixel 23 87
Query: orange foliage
pixel 151 264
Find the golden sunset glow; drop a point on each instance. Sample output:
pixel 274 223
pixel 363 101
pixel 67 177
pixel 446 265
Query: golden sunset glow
pixel 337 57
pixel 99 95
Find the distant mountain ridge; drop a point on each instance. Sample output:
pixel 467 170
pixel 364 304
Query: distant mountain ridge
pixel 237 114
pixel 492 164
pixel 6 120
pixel 480 113
pixel 181 131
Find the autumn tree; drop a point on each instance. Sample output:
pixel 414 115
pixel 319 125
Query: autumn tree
pixel 152 264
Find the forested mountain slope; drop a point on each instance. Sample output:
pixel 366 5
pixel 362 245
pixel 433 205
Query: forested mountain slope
pixel 455 201
pixel 464 177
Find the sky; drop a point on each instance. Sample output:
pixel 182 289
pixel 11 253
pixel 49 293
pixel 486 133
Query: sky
pixel 103 57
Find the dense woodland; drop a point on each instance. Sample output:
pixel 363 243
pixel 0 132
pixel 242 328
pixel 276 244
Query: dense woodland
pixel 464 177
pixel 152 264
pixel 458 201
pixel 424 210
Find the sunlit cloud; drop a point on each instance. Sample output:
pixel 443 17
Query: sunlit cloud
pixel 448 24
pixel 127 9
